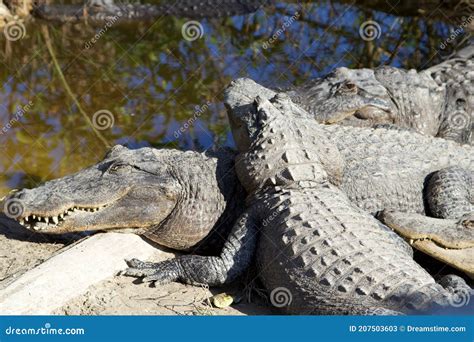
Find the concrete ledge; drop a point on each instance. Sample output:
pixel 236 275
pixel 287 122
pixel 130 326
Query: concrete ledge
pixel 67 275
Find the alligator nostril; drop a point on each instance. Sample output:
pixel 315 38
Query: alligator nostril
pixel 16 194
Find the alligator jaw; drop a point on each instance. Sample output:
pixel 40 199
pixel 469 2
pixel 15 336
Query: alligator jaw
pixel 41 222
pixel 374 113
pixel 462 259
pixel 360 110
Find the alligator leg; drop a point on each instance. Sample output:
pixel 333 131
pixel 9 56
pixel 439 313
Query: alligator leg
pixel 460 291
pixel 234 259
pixel 454 283
pixel 450 194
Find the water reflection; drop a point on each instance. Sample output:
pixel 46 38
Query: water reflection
pixel 164 90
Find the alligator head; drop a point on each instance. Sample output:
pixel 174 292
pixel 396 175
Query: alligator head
pixel 175 197
pixel 449 241
pixel 346 94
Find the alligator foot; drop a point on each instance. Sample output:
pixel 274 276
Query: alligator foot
pixel 158 273
pixel 460 291
pixel 454 283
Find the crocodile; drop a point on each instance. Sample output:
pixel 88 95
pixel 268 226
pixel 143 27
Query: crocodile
pixel 316 248
pixel 437 101
pixel 180 200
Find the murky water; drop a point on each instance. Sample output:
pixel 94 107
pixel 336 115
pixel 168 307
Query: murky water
pixel 146 85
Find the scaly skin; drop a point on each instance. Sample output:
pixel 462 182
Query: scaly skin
pixel 332 257
pixel 438 101
pixel 379 169
pixel 106 10
pixel 392 170
pixel 178 199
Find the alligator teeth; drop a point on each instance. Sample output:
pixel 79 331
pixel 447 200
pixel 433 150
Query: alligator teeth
pixel 34 219
pixel 411 241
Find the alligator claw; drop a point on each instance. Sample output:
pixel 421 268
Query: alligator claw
pixel 136 263
pixel 135 272
pixel 153 272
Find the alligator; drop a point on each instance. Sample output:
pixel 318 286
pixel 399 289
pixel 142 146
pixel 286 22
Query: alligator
pixel 180 200
pixel 94 198
pixel 106 10
pixel 457 12
pixel 437 101
pixel 327 254
pixel 388 171
pixel 448 251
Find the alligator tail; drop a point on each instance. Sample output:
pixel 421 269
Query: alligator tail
pixel 132 12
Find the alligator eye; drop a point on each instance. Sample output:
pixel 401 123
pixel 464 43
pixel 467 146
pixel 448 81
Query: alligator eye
pixel 348 87
pixel 117 167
